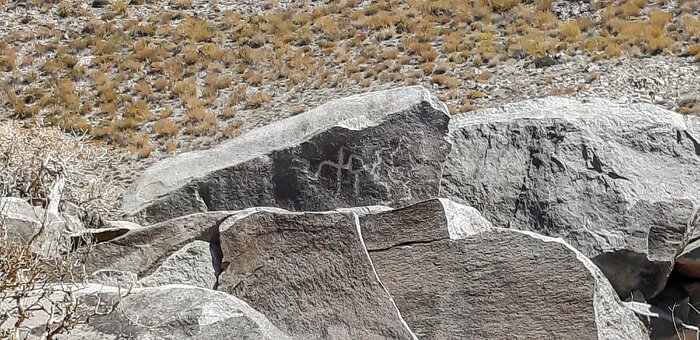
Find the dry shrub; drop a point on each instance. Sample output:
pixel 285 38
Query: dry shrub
pixel 33 304
pixel 8 60
pixel 444 80
pixel 27 296
pixel 181 3
pixel 694 50
pixel 165 127
pixel 170 146
pixel 570 30
pixel 257 99
pixel 198 30
pixel 36 162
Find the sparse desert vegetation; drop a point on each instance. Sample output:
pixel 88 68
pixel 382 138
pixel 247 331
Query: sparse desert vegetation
pixel 108 71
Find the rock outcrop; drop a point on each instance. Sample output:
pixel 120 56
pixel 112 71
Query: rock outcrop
pixel 310 274
pixel 376 217
pixel 620 183
pixel 383 148
pixel 460 278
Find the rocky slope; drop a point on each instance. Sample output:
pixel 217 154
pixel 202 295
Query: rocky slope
pixel 156 77
pixel 382 216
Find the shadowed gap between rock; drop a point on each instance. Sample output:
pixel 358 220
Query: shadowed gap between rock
pixel 402 244
pixel 217 254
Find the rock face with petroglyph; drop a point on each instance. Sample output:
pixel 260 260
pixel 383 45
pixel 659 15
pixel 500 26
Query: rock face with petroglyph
pixel 620 183
pixel 381 258
pixel 382 148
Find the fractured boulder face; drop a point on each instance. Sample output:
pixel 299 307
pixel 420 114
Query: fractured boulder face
pixel 489 283
pixel 619 183
pixel 423 222
pixel 309 273
pixel 378 148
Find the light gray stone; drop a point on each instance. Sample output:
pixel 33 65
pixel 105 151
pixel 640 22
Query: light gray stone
pixel 489 283
pixel 192 265
pixel 23 223
pixel 310 274
pixel 167 312
pixel 619 183
pixel 123 225
pixel 361 211
pixel 143 250
pixel 380 148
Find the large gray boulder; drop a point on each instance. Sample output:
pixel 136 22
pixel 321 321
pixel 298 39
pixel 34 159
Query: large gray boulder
pixel 167 312
pixel 619 183
pixel 459 278
pixel 310 274
pixel 22 224
pixel 111 231
pixel 380 148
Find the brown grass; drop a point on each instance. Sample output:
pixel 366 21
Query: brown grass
pixel 257 99
pixel 165 127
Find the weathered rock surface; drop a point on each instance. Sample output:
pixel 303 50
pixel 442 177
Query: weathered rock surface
pixel 21 223
pixel 165 312
pixel 192 265
pixel 461 278
pixel 380 148
pixel 310 274
pixel 620 183
pixel 143 250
